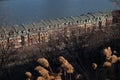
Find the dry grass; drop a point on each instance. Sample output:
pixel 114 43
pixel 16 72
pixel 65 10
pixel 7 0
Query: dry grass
pixel 67 69
pixel 40 78
pixel 58 77
pixel 43 62
pixel 114 59
pixel 42 71
pixel 107 52
pixel 66 65
pixel 28 74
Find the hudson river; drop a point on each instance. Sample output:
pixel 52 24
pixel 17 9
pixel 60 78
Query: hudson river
pixel 28 11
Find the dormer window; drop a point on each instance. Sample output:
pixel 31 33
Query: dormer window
pixel 86 20
pixel 99 18
pixel 64 23
pixel 77 21
pixel 22 31
pixel 28 30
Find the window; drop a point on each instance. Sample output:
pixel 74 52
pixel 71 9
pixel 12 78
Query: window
pixel 28 30
pixel 40 28
pixel 99 18
pixel 77 21
pixel 86 20
pixel 22 31
pixel 64 23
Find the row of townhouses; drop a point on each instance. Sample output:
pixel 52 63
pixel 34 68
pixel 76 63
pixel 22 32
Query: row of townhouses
pixel 26 35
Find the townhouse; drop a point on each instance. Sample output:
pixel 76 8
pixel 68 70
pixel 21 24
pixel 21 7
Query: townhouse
pixel 30 34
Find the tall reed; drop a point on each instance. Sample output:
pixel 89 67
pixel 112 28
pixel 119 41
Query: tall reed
pixel 44 62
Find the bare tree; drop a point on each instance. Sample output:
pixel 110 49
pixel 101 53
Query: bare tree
pixel 5 53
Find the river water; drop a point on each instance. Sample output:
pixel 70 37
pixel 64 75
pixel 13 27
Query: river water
pixel 28 11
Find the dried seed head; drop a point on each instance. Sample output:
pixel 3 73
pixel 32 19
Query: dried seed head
pixel 40 78
pixel 94 65
pixel 107 64
pixel 28 74
pixel 62 59
pixel 51 77
pixel 43 62
pixel 107 52
pixel 70 69
pixel 66 65
pixel 58 77
pixel 42 71
pixel 114 59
